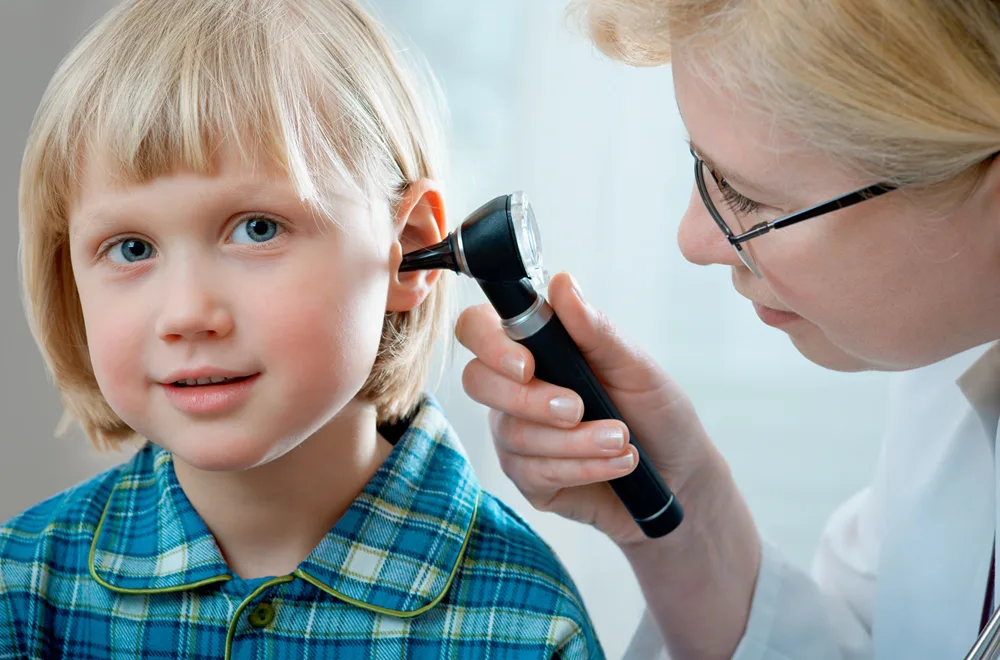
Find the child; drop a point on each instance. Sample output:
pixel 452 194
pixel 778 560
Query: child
pixel 215 198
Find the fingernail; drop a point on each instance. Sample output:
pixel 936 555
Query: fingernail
pixel 513 366
pixel 623 462
pixel 566 408
pixel 610 438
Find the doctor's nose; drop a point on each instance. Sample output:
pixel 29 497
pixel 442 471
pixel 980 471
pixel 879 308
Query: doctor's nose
pixel 700 239
pixel 191 310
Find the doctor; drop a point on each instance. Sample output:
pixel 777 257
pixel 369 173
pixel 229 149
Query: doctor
pixel 844 162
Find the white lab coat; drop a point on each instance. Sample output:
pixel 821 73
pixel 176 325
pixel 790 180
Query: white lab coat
pixel 901 568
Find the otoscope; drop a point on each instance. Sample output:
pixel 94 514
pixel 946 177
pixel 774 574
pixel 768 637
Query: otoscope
pixel 499 246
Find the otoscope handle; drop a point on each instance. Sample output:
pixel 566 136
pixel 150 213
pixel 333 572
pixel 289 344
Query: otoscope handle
pixel 558 360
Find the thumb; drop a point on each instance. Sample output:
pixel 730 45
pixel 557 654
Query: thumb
pixel 614 361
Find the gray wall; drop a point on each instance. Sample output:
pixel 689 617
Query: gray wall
pixel 34 36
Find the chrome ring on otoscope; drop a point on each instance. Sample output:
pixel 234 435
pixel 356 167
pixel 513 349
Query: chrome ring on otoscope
pixel 530 322
pixel 460 253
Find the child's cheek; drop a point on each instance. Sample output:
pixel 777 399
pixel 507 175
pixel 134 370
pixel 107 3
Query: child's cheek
pixel 116 354
pixel 312 336
pixel 326 336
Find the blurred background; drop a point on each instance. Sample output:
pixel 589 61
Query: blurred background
pixel 600 150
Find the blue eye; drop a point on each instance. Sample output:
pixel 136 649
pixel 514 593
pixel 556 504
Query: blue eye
pixel 131 250
pixel 256 230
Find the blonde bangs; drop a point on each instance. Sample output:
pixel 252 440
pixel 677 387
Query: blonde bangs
pixel 153 101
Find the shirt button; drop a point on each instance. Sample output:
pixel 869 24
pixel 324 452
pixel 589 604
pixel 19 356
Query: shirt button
pixel 261 616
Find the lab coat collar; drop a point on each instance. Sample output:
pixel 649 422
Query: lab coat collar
pixel 980 384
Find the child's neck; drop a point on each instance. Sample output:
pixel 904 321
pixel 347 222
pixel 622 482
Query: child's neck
pixel 269 519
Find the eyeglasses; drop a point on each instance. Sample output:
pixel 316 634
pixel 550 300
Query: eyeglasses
pixel 735 205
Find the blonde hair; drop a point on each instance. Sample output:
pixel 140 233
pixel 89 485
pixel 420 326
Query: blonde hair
pixel 316 86
pixel 905 91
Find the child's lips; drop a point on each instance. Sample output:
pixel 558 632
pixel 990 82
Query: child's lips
pixel 213 398
pixel 204 374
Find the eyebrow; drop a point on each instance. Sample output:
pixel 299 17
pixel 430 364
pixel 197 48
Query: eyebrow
pixel 729 175
pixel 229 195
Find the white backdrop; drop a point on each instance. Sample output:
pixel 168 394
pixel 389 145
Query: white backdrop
pixel 599 149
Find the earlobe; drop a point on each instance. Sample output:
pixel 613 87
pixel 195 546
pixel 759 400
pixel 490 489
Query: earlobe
pixel 420 222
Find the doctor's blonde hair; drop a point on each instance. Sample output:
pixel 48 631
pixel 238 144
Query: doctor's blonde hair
pixel 316 86
pixel 905 91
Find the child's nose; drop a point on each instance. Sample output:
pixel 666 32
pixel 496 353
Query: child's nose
pixel 191 310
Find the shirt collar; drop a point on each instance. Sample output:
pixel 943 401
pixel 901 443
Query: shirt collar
pixel 395 550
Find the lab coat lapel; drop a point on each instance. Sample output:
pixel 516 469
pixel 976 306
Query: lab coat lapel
pixel 981 386
pixel 936 549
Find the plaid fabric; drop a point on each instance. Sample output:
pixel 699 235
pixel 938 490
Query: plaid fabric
pixel 424 564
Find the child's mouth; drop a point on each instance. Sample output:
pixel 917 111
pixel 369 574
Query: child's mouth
pixel 214 394
pixel 215 380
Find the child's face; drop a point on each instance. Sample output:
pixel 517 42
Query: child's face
pixel 228 276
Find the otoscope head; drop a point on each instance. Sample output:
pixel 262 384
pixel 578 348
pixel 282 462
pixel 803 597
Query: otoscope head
pixel 498 242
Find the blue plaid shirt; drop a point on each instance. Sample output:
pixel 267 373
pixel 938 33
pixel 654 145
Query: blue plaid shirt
pixel 424 564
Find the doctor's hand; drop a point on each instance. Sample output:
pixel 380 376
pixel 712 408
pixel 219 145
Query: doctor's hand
pixel 560 464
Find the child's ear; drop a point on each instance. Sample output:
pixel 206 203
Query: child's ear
pixel 420 222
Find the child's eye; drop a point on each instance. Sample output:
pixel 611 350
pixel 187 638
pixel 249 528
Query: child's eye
pixel 256 229
pixel 130 250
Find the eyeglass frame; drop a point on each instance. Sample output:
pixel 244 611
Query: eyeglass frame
pixel 737 240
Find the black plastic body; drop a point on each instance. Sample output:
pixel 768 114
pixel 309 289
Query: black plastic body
pixel 442 255
pixel 510 299
pixel 558 360
pixel 490 244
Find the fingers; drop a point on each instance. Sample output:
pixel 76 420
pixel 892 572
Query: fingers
pixel 542 461
pixel 599 439
pixel 537 401
pixel 540 478
pixel 479 330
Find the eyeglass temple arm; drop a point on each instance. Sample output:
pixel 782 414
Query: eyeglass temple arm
pixel 844 201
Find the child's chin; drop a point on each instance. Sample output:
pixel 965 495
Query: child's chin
pixel 216 456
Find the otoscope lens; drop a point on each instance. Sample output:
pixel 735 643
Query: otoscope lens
pixel 529 238
pixel 533 237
